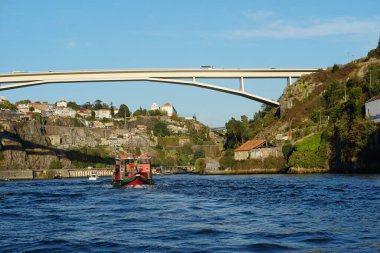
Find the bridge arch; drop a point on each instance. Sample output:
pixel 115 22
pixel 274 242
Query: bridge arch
pixel 26 79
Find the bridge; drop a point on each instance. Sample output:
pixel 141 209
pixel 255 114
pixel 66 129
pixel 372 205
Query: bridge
pixel 189 77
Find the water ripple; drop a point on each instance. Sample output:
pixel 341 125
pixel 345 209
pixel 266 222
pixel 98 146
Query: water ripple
pixel 188 213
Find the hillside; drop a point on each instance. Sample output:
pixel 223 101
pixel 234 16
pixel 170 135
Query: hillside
pixel 321 122
pixel 59 142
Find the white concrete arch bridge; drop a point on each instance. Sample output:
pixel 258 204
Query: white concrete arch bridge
pixel 19 79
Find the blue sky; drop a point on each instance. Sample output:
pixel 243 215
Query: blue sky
pixel 139 34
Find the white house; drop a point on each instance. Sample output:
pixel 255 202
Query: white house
pixel 62 104
pixel 23 107
pixel 155 107
pixel 64 112
pixel 169 109
pixel 103 113
pixel 372 109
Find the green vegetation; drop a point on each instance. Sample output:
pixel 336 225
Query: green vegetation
pixel 310 152
pixel 287 149
pixel 200 166
pixel 161 129
pixel 55 165
pixel 98 157
pixel 7 105
pixel 123 111
pixel 330 103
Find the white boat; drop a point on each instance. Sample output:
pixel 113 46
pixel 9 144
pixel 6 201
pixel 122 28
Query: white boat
pixel 93 176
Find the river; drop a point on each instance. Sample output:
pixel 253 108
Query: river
pixel 190 213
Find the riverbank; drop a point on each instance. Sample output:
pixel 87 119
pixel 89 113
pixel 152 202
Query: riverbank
pixel 230 171
pixel 50 174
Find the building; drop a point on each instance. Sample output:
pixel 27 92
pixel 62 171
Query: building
pixel 84 113
pixel 154 107
pixel 372 109
pixel 64 112
pixel 103 113
pixel 255 149
pixel 23 107
pixel 62 104
pixel 169 109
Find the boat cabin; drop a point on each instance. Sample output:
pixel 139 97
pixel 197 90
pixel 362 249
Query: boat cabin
pixel 126 166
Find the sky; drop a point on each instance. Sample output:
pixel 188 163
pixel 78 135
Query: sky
pixel 43 35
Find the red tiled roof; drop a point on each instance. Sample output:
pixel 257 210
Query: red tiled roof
pixel 249 145
pixel 373 99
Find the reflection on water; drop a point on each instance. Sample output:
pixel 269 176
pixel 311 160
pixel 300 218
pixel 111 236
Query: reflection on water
pixel 188 213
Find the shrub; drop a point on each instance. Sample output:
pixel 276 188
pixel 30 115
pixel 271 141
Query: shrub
pixel 55 165
pixel 227 162
pixel 310 153
pixel 287 149
pixel 335 68
pixel 200 165
pixel 161 129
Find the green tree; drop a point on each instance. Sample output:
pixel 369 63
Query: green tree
pixel 8 105
pixel 140 112
pixel 161 129
pixel 123 111
pixel 98 104
pixel 236 133
pixel 25 101
pixel 112 110
pixel 87 106
pixel 55 165
pixel 287 149
pixel 31 109
pixel 197 154
pixel 200 165
pixel 73 105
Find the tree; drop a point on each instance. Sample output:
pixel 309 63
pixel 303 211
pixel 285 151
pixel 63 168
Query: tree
pixel 287 149
pixel 25 101
pixel 112 111
pixel 123 111
pixel 98 104
pixel 87 106
pixel 31 109
pixel 200 165
pixel 73 105
pixel 236 133
pixel 161 129
pixel 140 112
pixel 197 154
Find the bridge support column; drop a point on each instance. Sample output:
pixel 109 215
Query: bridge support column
pixel 194 79
pixel 241 84
pixel 290 80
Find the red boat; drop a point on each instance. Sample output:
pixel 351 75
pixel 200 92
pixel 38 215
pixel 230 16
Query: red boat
pixel 132 172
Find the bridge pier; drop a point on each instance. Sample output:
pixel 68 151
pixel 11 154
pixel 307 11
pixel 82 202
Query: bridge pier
pixel 242 84
pixel 290 80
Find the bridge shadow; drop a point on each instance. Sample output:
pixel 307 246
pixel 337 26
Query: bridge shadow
pixel 13 142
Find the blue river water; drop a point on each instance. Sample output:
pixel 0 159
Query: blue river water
pixel 190 213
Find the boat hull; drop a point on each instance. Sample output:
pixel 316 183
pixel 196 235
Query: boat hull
pixel 133 181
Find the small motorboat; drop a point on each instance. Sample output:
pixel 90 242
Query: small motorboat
pixel 58 176
pixel 93 176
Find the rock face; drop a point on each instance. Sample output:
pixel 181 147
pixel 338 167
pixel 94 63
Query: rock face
pixel 26 146
pixel 34 145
